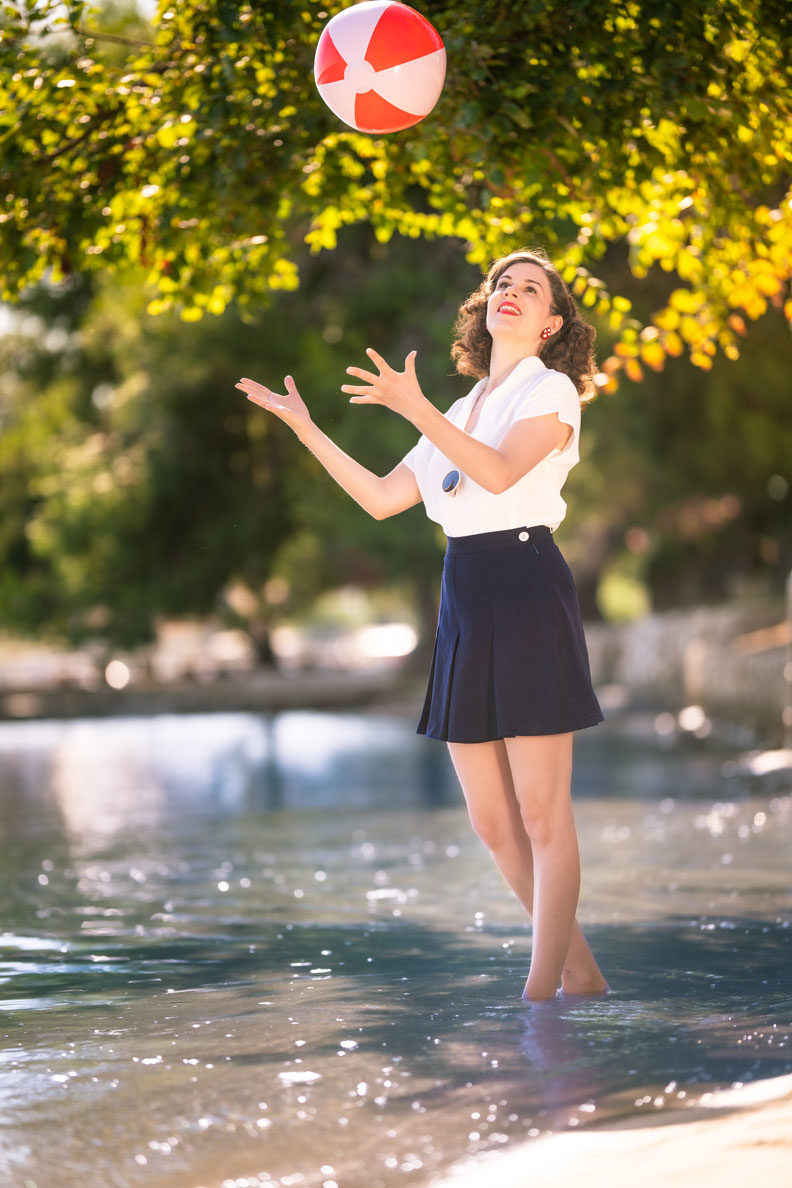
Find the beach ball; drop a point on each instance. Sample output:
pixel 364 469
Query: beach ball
pixel 380 66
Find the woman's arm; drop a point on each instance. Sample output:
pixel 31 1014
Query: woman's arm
pixel 379 496
pixel 495 468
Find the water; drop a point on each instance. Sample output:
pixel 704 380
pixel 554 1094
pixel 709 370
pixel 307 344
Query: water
pixel 240 950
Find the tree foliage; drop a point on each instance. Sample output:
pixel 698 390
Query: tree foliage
pixel 130 489
pixel 199 152
pixel 136 482
pixel 686 487
pixel 152 174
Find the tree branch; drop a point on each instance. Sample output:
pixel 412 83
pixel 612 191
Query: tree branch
pixel 114 37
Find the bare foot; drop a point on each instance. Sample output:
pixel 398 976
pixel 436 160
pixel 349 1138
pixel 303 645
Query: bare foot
pixel 534 994
pixel 595 984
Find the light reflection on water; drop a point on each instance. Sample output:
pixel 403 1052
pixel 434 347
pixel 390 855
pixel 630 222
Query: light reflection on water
pixel 238 948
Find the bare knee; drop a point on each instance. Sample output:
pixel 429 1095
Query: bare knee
pixel 492 829
pixel 545 814
pixel 485 777
pixel 542 775
pixel 537 824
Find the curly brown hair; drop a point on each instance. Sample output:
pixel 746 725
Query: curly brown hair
pixel 570 349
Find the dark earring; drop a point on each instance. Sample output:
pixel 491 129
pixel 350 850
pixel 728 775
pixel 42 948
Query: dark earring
pixel 546 332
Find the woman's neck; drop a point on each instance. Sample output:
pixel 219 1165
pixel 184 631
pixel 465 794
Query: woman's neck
pixel 503 360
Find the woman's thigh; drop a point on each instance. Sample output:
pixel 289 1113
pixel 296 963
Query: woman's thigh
pixel 485 777
pixel 541 772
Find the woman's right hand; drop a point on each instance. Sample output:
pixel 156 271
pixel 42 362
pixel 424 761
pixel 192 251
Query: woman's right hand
pixel 290 408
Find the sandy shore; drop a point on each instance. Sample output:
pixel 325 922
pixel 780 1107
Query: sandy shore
pixel 730 1139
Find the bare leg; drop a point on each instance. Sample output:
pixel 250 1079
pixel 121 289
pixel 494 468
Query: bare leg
pixel 485 774
pixel 541 770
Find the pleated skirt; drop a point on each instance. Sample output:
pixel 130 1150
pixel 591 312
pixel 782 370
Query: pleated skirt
pixel 510 655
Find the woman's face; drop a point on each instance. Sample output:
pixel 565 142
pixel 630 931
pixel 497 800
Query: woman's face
pixel 519 306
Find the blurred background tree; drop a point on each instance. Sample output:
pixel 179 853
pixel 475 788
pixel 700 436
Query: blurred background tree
pixel 135 481
pixel 155 172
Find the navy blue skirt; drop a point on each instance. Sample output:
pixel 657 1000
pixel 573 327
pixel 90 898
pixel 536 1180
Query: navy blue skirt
pixel 510 656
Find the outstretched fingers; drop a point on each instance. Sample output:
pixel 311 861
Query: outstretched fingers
pixel 368 376
pixel 360 394
pixel 378 360
pixel 389 387
pixel 264 397
pixel 256 392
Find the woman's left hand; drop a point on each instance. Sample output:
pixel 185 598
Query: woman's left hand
pixel 396 390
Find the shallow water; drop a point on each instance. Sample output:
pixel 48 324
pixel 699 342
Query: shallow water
pixel 242 950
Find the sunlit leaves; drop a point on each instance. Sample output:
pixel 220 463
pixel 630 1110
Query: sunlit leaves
pixel 201 153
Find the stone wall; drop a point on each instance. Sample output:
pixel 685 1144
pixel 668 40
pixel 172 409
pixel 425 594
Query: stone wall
pixel 735 661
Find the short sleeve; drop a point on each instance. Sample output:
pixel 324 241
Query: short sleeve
pixel 555 394
pixel 411 460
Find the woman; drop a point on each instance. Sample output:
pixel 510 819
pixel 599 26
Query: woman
pixel 510 678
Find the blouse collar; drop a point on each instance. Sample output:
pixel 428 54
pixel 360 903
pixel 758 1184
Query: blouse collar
pixel 529 366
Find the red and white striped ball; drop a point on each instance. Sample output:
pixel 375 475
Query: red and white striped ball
pixel 380 66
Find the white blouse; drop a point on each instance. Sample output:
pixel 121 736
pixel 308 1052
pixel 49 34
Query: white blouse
pixel 530 390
